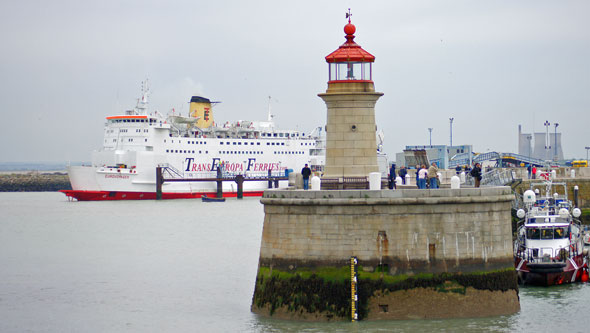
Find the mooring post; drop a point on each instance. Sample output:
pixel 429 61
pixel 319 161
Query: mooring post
pixel 240 182
pixel 219 184
pixel 269 179
pixel 576 190
pixel 159 181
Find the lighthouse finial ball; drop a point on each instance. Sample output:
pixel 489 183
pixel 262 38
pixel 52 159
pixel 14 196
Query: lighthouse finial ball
pixel 349 29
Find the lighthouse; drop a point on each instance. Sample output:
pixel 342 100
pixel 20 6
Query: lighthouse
pixel 351 148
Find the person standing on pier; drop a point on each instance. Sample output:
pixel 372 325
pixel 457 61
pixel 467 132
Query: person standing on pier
pixel 476 174
pixel 306 172
pixel 433 176
pixel 422 174
pixel 402 173
pixel 392 177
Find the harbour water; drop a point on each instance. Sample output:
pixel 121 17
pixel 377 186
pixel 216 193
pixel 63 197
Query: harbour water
pixel 181 266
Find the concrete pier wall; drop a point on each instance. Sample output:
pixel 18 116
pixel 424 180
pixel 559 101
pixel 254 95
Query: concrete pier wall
pixel 442 234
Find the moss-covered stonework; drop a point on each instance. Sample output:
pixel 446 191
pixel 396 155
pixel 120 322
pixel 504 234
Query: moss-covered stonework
pixel 324 294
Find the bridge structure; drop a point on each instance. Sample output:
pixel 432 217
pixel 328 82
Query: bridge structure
pixel 502 159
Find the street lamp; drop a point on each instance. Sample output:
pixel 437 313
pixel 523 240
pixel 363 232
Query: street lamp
pixel 451 120
pixel 587 148
pixel 529 138
pixel 547 144
pixel 430 132
pixel 555 146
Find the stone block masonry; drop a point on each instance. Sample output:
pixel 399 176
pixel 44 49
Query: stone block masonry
pixel 419 238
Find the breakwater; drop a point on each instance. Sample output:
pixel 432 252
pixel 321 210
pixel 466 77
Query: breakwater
pixel 34 182
pixel 421 254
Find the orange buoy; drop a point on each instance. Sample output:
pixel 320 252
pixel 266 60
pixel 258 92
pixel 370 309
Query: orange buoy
pixel 585 275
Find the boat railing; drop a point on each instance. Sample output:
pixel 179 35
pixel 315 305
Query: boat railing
pixel 543 254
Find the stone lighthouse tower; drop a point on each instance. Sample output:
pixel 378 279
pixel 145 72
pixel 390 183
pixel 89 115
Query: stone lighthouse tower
pixel 351 148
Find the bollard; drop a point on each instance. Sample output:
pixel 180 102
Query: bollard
pixel 553 174
pixel 576 192
pixel 316 183
pixel 374 181
pixel 407 179
pixel 462 177
pixel 455 183
pixel 398 180
pixel 573 173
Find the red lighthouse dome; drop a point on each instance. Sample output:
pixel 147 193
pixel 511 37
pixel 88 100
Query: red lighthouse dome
pixel 350 62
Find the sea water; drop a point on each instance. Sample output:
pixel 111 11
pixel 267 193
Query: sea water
pixel 181 266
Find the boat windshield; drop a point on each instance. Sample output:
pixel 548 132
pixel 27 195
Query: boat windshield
pixel 546 233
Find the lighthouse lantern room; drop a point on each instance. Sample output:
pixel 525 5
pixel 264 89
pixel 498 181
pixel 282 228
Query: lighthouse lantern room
pixel 350 62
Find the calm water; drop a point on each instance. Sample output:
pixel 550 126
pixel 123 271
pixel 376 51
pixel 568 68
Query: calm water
pixel 180 266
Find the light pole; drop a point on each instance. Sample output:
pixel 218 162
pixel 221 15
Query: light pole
pixel 587 148
pixel 547 144
pixel 555 156
pixel 430 132
pixel 530 168
pixel 451 120
pixel 529 138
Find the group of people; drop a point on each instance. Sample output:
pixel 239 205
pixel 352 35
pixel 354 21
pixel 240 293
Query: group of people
pixel 425 178
pixel 428 178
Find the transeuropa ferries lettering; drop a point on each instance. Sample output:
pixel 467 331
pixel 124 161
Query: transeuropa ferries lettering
pixel 250 165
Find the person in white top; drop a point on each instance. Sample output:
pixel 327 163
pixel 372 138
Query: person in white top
pixel 422 177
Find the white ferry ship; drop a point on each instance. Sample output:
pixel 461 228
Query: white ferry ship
pixel 194 147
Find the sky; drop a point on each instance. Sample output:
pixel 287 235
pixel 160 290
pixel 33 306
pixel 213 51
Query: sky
pixel 491 65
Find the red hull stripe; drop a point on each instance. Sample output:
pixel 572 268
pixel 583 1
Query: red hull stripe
pixel 117 195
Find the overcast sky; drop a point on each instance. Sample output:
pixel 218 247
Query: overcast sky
pixel 491 65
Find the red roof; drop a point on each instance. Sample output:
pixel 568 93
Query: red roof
pixel 350 51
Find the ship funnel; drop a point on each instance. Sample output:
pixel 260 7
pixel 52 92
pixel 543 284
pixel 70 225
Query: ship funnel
pixel 200 108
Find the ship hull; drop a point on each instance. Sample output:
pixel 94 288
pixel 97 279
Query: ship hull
pixel 550 274
pixel 125 195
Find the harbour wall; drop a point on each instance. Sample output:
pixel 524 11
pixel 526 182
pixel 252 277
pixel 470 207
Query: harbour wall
pixel 451 249
pixel 34 182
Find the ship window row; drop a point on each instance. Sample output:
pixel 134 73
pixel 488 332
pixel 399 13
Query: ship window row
pixel 273 143
pixel 280 135
pixel 132 120
pixel 230 152
pixel 185 151
pixel 306 143
pixel 288 152
pixel 190 142
pixel 239 143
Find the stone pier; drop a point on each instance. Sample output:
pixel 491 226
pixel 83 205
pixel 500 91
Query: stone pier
pixel 422 254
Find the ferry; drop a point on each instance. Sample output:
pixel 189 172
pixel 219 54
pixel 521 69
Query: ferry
pixel 137 142
pixel 549 248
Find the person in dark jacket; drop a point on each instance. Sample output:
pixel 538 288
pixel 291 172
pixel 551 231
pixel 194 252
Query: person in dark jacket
pixel 476 174
pixel 402 173
pixel 392 177
pixel 306 172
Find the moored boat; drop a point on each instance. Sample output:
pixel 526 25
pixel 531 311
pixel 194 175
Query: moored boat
pixel 549 248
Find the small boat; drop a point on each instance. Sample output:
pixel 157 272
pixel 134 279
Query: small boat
pixel 549 247
pixel 205 198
